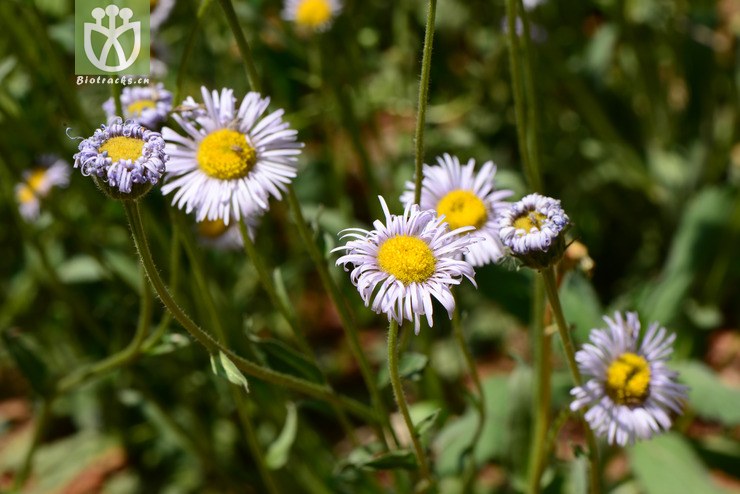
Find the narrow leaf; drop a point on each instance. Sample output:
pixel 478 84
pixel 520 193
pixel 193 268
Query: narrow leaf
pixel 224 367
pixel 279 451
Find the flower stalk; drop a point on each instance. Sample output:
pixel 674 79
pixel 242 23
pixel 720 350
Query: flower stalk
pixel 426 65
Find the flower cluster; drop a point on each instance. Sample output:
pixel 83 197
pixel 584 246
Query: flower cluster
pixel 465 199
pixel 125 159
pixel 533 230
pixel 232 159
pixel 631 392
pixel 405 261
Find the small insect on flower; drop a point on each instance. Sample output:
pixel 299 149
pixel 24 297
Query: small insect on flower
pixel 631 392
pixel 124 159
pixel 316 15
pixel 232 158
pixel 145 105
pixel 465 199
pixel 38 182
pixel 400 265
pixel 533 230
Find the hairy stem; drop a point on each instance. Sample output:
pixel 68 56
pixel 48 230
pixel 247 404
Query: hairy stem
pixel 426 65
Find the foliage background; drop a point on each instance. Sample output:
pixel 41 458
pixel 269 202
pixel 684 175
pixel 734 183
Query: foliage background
pixel 639 123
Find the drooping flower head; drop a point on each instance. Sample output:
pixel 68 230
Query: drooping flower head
pixel 401 264
pixel 38 182
pixel 124 159
pixel 146 105
pixel 232 158
pixel 533 230
pixel 316 15
pixel 630 392
pixel 465 198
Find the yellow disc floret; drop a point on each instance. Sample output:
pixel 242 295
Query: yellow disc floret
pixel 137 107
pixel 225 154
pixel 313 13
pixel 407 258
pixel 212 228
pixel 628 380
pixel 462 208
pixel 123 148
pixel 532 219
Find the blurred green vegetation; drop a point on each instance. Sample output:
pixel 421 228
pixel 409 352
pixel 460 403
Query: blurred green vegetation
pixel 640 140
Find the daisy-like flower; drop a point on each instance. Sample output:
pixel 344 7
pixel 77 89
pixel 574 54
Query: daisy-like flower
pixel 533 229
pixel 465 199
pixel 630 392
pixel 316 15
pixel 232 158
pixel 400 265
pixel 124 159
pixel 37 184
pixel 146 105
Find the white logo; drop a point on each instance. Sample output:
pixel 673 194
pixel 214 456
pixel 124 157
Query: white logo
pixel 112 33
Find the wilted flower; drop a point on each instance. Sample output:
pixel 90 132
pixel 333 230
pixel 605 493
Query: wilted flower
pixel 533 229
pixel 124 159
pixel 400 265
pixel 38 182
pixel 146 105
pixel 631 392
pixel 313 14
pixel 232 159
pixel 465 198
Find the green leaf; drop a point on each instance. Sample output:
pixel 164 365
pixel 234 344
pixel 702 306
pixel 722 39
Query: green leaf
pixel 425 424
pixel 81 269
pixel 400 458
pixel 708 395
pixel 25 353
pixel 581 304
pixel 666 465
pixel 280 290
pixel 410 366
pixel 279 451
pixel 282 357
pixel 224 367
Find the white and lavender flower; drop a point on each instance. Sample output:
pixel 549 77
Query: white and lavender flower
pixel 125 158
pixel 630 393
pixel 405 261
pixel 38 182
pixel 465 198
pixel 533 229
pixel 232 159
pixel 316 15
pixel 146 105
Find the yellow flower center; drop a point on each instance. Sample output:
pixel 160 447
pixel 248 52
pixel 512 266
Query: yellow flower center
pixel 137 107
pixel 212 228
pixel 313 13
pixel 225 154
pixel 123 148
pixel 532 219
pixel 29 191
pixel 462 208
pixel 407 258
pixel 628 380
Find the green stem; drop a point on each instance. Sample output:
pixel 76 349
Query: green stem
pixel 119 359
pixel 41 423
pixel 242 43
pixel 345 316
pixel 480 401
pixel 188 49
pixel 517 82
pixel 533 119
pixel 548 277
pixel 116 91
pixel 401 401
pixel 236 394
pixel 543 370
pixel 213 347
pixel 426 65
